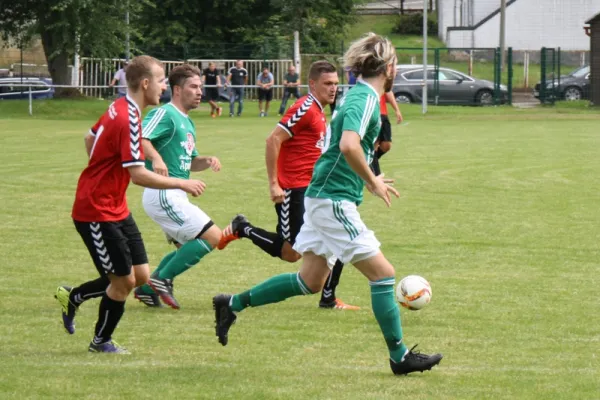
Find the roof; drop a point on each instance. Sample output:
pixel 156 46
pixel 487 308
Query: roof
pixel 594 18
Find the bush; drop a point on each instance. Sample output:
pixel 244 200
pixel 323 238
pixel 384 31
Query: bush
pixel 412 24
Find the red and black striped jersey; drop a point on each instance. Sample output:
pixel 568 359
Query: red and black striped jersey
pixel 305 123
pixel 117 145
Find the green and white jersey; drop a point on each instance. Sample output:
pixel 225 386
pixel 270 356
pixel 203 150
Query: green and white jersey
pixel 173 135
pixel 332 177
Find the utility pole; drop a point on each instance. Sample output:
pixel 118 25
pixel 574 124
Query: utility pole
pixel 424 96
pixel 127 32
pixel 502 32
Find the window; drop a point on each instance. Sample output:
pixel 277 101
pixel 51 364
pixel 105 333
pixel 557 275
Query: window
pixel 413 75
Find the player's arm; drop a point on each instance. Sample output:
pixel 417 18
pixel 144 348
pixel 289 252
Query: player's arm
pixel 143 177
pixel 352 150
pixel 89 140
pixel 246 78
pixel 158 165
pixel 354 127
pixel 156 125
pixel 298 82
pixel 228 80
pixel 389 97
pixel 218 80
pixel 203 79
pixel 203 163
pixel 272 150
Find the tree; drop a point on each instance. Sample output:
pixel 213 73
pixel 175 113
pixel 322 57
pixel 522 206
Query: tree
pixel 96 26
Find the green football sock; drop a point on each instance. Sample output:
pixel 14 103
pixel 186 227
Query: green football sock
pixel 387 313
pixel 186 257
pixel 273 290
pixel 146 289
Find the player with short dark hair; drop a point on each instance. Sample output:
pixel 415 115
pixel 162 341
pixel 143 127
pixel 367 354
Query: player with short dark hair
pixel 169 142
pixel 332 225
pixel 100 211
pixel 211 77
pixel 291 152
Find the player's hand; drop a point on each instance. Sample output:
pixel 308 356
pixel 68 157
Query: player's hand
pixel 159 167
pixel 277 194
pixel 214 163
pixel 193 187
pixel 399 118
pixel 382 189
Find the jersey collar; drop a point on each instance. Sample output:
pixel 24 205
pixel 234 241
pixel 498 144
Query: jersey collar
pixel 369 85
pixel 316 101
pixel 178 110
pixel 129 99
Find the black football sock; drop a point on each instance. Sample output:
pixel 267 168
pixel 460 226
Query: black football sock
pixel 109 316
pixel 271 243
pixel 328 292
pixel 89 290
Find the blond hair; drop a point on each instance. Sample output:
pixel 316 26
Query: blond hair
pixel 370 55
pixel 140 68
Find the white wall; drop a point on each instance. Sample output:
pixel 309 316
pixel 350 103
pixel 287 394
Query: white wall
pixel 533 24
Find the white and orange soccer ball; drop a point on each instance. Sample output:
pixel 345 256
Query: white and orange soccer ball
pixel 413 292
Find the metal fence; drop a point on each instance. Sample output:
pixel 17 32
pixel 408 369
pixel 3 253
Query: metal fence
pixel 96 74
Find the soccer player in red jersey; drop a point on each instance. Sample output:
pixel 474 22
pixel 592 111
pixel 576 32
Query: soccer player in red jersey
pixel 384 141
pixel 291 153
pixel 100 211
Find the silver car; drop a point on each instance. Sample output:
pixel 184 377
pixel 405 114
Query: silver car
pixel 454 87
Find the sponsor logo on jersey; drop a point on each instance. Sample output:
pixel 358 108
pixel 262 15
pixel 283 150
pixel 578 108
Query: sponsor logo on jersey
pixel 189 144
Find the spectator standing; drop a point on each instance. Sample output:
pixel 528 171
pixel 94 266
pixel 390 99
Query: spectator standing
pixel 291 81
pixel 121 79
pixel 211 77
pixel 237 76
pixel 265 82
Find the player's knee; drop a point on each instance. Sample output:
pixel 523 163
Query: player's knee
pixel 212 236
pixel 385 146
pixel 121 286
pixel 289 254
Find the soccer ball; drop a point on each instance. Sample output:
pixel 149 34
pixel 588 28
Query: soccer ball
pixel 413 292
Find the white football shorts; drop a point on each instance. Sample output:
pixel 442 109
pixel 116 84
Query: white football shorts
pixel 181 220
pixel 333 229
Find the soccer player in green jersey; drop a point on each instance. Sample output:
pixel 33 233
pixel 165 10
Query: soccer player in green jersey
pixel 332 225
pixel 169 141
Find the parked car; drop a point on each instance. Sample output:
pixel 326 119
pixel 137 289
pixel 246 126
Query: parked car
pixel 40 88
pixel 223 93
pixel 574 86
pixel 455 87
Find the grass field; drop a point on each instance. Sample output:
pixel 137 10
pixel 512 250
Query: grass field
pixel 499 211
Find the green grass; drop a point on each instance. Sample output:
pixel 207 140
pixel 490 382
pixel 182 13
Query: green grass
pixel 499 210
pixel 383 25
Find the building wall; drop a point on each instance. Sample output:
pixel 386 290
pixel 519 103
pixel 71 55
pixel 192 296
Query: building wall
pixel 532 24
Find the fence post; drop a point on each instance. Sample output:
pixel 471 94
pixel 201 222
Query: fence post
pixel 543 76
pixel 30 102
pixel 558 61
pixel 526 69
pixel 497 74
pixel 436 75
pixel 471 62
pixel 510 75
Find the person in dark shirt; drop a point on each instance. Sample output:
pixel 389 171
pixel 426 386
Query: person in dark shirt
pixel 210 77
pixel 291 81
pixel 237 76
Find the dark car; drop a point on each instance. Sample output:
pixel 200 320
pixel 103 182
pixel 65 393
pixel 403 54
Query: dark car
pixel 454 87
pixel 10 88
pixel 223 94
pixel 574 86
